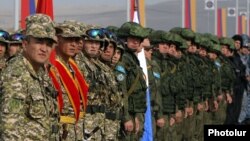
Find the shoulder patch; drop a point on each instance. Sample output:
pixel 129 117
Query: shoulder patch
pixel 218 65
pixel 120 77
pixel 120 69
pixel 157 75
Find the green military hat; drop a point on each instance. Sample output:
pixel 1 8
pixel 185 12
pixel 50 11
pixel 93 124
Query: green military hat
pixel 113 29
pixel 212 37
pixel 197 38
pixel 4 36
pixel 158 36
pixel 177 40
pixel 80 26
pixel 68 29
pixel 216 48
pixel 176 30
pixel 206 43
pixel 40 26
pixel 228 42
pixel 132 29
pixel 187 33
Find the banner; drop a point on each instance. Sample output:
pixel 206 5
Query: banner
pixel 190 14
pixel 221 22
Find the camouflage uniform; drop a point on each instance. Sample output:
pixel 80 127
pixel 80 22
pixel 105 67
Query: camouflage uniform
pixel 28 100
pixel 135 95
pixel 3 41
pixel 70 128
pixel 94 120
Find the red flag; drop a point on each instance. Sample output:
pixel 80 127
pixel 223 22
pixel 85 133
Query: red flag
pixel 45 7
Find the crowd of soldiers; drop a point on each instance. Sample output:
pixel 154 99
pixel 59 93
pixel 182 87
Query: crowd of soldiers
pixel 71 82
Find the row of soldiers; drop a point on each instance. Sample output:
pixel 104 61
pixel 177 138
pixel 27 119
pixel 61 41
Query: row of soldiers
pixel 77 82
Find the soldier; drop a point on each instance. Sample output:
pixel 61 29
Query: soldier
pixel 4 36
pixel 15 45
pixel 28 100
pixel 69 82
pixel 94 120
pixel 135 96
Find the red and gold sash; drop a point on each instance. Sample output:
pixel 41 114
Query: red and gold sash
pixel 73 86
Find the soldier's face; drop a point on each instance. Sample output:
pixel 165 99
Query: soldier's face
pixel 108 52
pixel 116 57
pixel 172 50
pixel 237 44
pixel 92 48
pixel 79 47
pixel 67 46
pixel 192 49
pixel 225 51
pixel 163 48
pixel 244 51
pixel 37 50
pixel 2 49
pixel 133 43
pixel 13 49
pixel 212 55
pixel 202 52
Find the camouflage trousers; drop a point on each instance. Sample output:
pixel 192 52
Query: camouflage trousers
pixel 72 132
pixel 94 127
pixel 112 128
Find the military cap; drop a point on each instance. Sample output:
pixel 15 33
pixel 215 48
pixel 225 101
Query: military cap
pixel 187 33
pixel 68 29
pixel 176 30
pixel 40 26
pixel 131 29
pixel 16 38
pixel 197 39
pixel 80 26
pixel 228 42
pixel 206 43
pixel 212 38
pixel 216 48
pixel 158 36
pixel 177 40
pixel 113 29
pixel 4 36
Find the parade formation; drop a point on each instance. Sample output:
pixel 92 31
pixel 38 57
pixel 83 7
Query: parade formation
pixel 71 81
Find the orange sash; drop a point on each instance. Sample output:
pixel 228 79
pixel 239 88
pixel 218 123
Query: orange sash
pixel 76 88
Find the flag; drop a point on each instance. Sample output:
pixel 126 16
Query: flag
pixel 137 11
pixel 231 11
pixel 189 14
pixel 242 24
pixel 209 5
pixel 45 7
pixel 221 22
pixel 27 8
pixel 138 15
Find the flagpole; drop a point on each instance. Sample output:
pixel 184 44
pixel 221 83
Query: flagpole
pixel 248 18
pixel 215 16
pixel 128 10
pixel 236 12
pixel 16 7
pixel 183 13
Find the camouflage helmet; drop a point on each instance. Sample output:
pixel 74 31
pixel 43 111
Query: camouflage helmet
pixel 131 29
pixel 206 43
pixel 177 40
pixel 4 36
pixel 216 48
pixel 113 29
pixel 212 38
pixel 176 30
pixel 80 26
pixel 40 26
pixel 158 36
pixel 187 33
pixel 228 42
pixel 68 29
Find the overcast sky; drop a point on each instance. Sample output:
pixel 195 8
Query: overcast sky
pixel 160 14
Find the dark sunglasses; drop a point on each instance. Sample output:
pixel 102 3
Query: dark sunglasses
pixel 17 37
pixel 94 33
pixel 4 34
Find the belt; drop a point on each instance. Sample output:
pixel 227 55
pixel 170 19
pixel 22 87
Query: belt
pixel 92 109
pixel 70 119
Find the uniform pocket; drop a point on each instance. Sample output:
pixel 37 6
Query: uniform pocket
pixel 37 107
